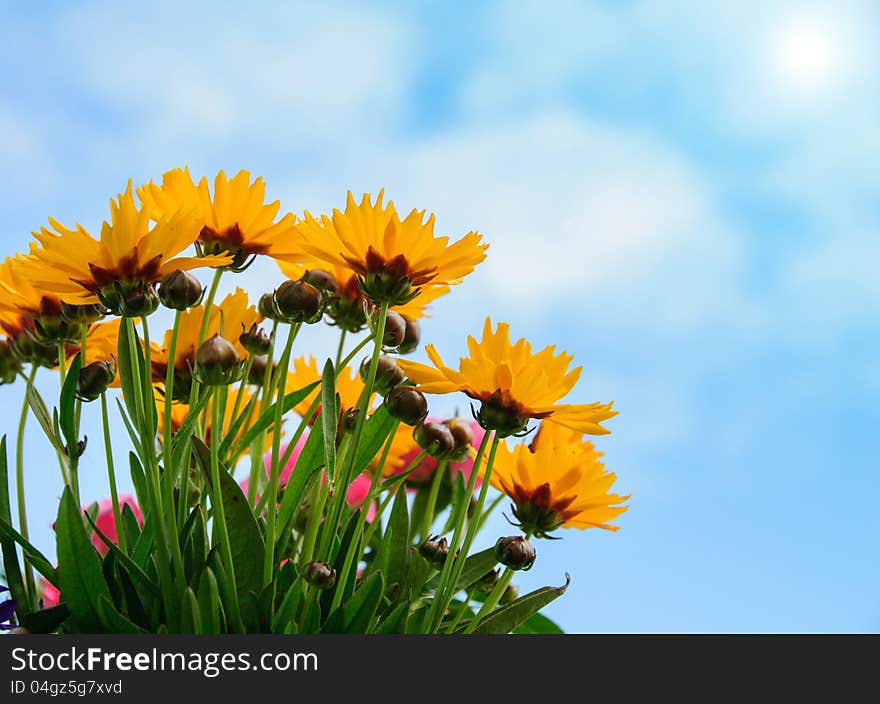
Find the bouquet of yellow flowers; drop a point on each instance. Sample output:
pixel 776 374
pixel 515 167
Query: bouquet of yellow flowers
pixel 358 511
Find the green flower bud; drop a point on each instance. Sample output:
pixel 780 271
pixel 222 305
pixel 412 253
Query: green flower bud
pixel 515 552
pixel 407 404
pixel 395 330
pixel 320 574
pixel 435 438
pixel 435 551
pixel 298 302
pixel 258 370
pixel 82 314
pixel 217 362
pixel 180 290
pixel 388 374
pixel 411 336
pixel 10 364
pixel 94 379
pixel 348 419
pixel 130 299
pixel 267 308
pixel 256 341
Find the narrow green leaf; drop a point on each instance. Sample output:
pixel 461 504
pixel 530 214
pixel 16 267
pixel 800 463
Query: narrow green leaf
pixel 375 433
pixel 31 554
pixel 245 538
pixel 45 620
pixel 538 624
pixel 133 568
pixel 356 615
pixel 329 419
pixel 310 460
pixel 113 620
pixel 41 413
pixel 396 621
pixel 475 568
pixel 130 524
pixel 510 616
pixel 138 478
pixel 209 601
pixel 180 440
pixel 67 405
pixel 129 428
pixel 134 607
pixel 285 612
pixel 399 557
pixel 11 566
pixel 126 377
pixel 191 619
pixel 268 416
pixel 79 570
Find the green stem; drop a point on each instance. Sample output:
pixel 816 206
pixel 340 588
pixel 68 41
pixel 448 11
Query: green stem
pixel 74 452
pixel 436 481
pixel 209 303
pixel 469 597
pixel 62 362
pixel 445 591
pixel 219 520
pixel 265 394
pixel 275 468
pixel 364 405
pixel 239 396
pixel 340 348
pixel 111 473
pixel 19 487
pixel 169 470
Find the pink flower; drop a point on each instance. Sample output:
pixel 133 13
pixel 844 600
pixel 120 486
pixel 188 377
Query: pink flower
pixel 428 465
pixel 107 525
pixel 357 491
pixel 51 595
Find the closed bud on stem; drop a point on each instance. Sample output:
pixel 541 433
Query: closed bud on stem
pixel 435 550
pixel 321 280
pixel 94 379
pixel 407 404
pixel 82 314
pixel 298 302
pixel 10 364
pixel 395 330
pixel 435 439
pixel 320 574
pixel 348 420
pixel 256 340
pixel 388 374
pixel 463 435
pixel 129 299
pixel 515 552
pixel 257 375
pixel 217 362
pixel 267 308
pixel 411 336
pixel 180 290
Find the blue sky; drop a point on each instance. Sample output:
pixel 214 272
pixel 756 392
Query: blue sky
pixel 685 199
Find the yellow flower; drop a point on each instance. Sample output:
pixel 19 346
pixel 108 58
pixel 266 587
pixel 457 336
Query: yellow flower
pixel 393 257
pixel 236 220
pixel 22 303
pixel 513 384
pixel 557 481
pixel 119 269
pixel 229 318
pixel 349 385
pixel 102 343
pixel 346 307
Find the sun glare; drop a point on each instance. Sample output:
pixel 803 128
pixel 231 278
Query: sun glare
pixel 809 55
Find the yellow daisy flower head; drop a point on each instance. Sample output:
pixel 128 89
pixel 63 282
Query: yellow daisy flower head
pixel 120 269
pixel 393 258
pixel 349 386
pixel 229 319
pixel 236 220
pixel 513 384
pixel 347 307
pixel 557 482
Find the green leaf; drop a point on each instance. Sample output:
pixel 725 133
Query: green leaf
pixel 68 410
pixel 130 524
pixel 337 560
pixel 511 616
pixel 79 570
pixel 399 557
pixel 285 613
pixel 133 605
pixel 115 622
pixel 11 566
pixel 329 419
pixel 41 413
pixel 138 478
pixel 268 416
pixel 45 620
pixel 133 568
pixel 191 619
pixel 132 433
pixel 475 568
pixel 31 554
pixel 396 621
pixel 310 460
pixel 245 539
pixel 180 440
pixel 126 370
pixel 209 601
pixel 376 431
pixel 195 547
pixel 357 614
pixel 538 624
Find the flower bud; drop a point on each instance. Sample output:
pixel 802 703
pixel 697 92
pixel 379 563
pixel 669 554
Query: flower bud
pixel 130 299
pixel 388 374
pixel 411 336
pixel 217 362
pixel 94 379
pixel 435 551
pixel 348 420
pixel 463 435
pixel 82 314
pixel 407 404
pixel 298 302
pixel 266 307
pixel 395 330
pixel 515 552
pixel 180 290
pixel 320 575
pixel 10 365
pixel 487 582
pixel 257 376
pixel 321 280
pixel 435 438
pixel 256 341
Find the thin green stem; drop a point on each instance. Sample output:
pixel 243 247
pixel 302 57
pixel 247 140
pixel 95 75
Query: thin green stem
pixel 74 452
pixel 239 395
pixel 209 303
pixel 167 430
pixel 274 467
pixel 62 361
pixel 111 474
pixel 19 487
pixel 436 481
pixel 340 348
pixel 459 614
